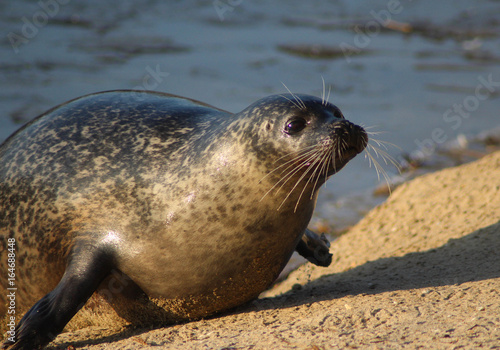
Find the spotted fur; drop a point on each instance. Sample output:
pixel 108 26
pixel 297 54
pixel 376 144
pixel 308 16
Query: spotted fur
pixel 167 207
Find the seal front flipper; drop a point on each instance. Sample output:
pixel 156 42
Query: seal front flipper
pixel 315 248
pixel 46 319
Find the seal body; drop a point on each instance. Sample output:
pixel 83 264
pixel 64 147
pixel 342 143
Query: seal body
pixel 168 208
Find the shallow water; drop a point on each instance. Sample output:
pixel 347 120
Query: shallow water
pixel 405 81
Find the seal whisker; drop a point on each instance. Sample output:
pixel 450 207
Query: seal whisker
pixel 380 150
pixel 326 161
pixel 331 159
pixel 328 96
pixel 319 163
pixel 316 163
pixel 298 181
pixel 306 149
pixel 384 144
pixel 343 148
pixel 291 163
pixel 293 170
pixel 339 148
pixel 305 152
pixel 304 163
pixel 293 188
pixel 318 159
pixel 383 154
pixel 381 143
pixel 367 128
pixel 323 102
pixel 325 98
pixel 378 168
pixel 300 104
pixel 292 101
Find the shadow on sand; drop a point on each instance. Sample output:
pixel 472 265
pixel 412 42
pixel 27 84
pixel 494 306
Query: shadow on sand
pixel 473 257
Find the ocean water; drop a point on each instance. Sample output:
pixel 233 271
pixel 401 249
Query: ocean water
pixel 420 72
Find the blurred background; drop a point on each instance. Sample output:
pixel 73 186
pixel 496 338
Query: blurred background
pixel 424 73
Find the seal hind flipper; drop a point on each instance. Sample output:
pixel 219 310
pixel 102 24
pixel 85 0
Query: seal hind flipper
pixel 47 318
pixel 315 248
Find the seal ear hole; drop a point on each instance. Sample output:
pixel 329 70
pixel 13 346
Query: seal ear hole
pixel 268 126
pixel 295 125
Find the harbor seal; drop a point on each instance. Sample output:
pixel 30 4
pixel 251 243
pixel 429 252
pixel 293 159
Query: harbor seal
pixel 194 210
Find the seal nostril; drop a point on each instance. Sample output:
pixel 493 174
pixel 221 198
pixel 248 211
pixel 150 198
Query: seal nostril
pixel 354 135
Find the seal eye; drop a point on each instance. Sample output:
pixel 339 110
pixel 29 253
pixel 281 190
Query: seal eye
pixel 295 125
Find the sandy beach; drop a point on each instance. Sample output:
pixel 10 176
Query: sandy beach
pixel 419 271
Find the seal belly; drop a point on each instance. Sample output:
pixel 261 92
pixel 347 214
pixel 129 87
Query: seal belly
pixel 191 257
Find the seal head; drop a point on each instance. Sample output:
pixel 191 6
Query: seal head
pixel 305 139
